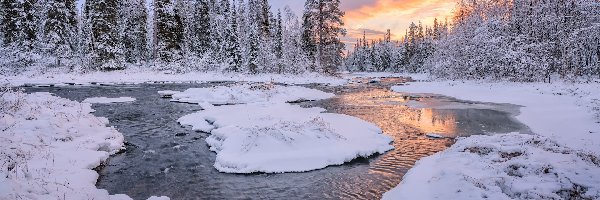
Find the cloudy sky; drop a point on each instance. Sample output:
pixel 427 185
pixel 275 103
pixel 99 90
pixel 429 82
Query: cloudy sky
pixel 376 16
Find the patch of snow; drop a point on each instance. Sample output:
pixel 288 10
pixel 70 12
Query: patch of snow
pixel 279 137
pixel 249 93
pixel 49 147
pixel 505 166
pixel 105 100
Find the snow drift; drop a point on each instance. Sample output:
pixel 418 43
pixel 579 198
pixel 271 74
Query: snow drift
pixel 278 137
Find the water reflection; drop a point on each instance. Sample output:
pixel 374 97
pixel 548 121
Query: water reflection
pixel 393 105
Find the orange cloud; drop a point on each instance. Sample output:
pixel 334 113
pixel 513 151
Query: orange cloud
pixel 396 15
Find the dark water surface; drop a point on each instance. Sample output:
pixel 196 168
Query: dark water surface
pixel 163 158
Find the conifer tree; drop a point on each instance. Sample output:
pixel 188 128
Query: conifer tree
pixel 134 35
pixel 103 21
pixel 59 29
pixel 169 33
pixel 232 45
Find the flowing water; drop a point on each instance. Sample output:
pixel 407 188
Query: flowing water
pixel 163 158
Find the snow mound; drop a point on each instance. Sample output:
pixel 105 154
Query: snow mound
pixel 508 166
pixel 249 93
pixel 279 137
pixel 49 147
pixel 104 100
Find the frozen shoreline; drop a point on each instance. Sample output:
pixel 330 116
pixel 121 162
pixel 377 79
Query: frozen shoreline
pixel 564 117
pixel 49 147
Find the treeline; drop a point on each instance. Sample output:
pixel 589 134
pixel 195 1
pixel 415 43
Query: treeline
pixel 516 40
pixel 407 55
pixel 171 35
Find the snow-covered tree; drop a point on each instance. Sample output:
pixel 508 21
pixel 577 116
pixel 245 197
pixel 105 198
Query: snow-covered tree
pixel 233 52
pixel 103 17
pixel 134 30
pixel 60 29
pixel 169 35
pixel 520 40
pixel 323 27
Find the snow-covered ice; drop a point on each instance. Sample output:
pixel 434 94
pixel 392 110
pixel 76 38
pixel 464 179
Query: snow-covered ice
pixel 49 147
pixel 505 166
pixel 106 100
pixel 248 93
pixel 279 137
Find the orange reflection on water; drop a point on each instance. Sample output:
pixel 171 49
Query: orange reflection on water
pixel 431 121
pixel 393 105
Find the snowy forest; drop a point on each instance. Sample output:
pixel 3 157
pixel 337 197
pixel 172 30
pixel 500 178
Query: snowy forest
pixel 175 36
pixel 515 40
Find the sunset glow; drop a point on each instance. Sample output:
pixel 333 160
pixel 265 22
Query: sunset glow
pixel 376 16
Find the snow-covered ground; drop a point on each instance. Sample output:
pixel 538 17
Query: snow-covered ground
pixel 560 162
pixel 506 166
pixel 106 100
pixel 279 137
pixel 134 76
pixel 49 147
pixel 246 93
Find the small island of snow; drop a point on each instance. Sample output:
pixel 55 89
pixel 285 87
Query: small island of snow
pixel 279 137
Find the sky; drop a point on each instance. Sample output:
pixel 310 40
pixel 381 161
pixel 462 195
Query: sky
pixel 376 16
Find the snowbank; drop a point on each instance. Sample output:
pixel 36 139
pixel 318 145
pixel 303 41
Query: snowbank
pixel 562 112
pixel 511 166
pixel 561 162
pixel 247 93
pixel 278 137
pixel 105 100
pixel 135 76
pixel 49 147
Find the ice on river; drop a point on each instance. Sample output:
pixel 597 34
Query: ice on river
pixel 247 93
pixel 279 137
pixel 105 100
pixel 506 166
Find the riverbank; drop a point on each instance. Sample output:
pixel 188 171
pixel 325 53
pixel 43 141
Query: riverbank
pixel 565 119
pixel 50 147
